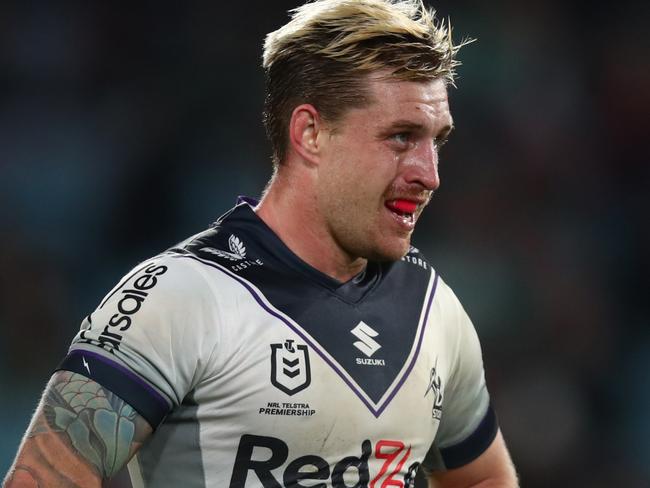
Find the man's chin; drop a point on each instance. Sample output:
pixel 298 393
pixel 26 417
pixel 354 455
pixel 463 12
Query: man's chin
pixel 391 252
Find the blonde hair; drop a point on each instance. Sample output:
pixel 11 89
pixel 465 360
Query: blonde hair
pixel 325 53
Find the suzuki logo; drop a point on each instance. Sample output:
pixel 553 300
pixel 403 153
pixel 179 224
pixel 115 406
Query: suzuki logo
pixel 366 344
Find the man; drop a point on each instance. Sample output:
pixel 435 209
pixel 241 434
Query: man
pixel 300 341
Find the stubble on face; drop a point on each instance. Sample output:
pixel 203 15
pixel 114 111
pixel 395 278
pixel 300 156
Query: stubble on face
pixel 362 170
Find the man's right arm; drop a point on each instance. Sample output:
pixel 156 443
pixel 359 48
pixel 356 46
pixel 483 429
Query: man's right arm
pixel 80 434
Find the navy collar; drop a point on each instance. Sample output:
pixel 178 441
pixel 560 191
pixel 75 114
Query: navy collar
pixel 271 248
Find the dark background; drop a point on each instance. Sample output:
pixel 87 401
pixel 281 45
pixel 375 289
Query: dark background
pixel 125 129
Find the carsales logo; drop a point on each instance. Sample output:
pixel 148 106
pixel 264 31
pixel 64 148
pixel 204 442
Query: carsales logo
pixel 349 472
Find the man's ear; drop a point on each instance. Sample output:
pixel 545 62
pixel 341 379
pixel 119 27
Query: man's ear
pixel 305 127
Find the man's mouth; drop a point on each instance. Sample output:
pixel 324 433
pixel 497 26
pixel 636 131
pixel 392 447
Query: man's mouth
pixel 405 209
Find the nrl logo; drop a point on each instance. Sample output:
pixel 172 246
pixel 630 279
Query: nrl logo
pixel 435 387
pixel 290 371
pixel 237 250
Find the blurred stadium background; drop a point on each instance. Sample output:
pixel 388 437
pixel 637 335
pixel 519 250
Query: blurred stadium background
pixel 125 129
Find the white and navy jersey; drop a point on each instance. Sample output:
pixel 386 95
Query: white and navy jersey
pixel 257 370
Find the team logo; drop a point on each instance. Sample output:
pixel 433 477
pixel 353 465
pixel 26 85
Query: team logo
pixel 290 370
pixel 237 250
pixel 435 387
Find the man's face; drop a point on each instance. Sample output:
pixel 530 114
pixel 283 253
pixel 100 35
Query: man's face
pixel 379 167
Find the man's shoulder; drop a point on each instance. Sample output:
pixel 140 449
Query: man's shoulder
pixel 217 241
pixel 163 276
pixel 224 247
pixel 224 242
pixel 169 274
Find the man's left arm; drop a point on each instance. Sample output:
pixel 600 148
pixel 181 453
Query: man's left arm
pixel 469 450
pixel 492 469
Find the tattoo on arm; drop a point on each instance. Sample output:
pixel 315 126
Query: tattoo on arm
pixel 90 422
pixel 99 425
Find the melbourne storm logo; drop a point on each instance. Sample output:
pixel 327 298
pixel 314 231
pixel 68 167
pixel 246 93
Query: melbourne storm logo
pixel 290 370
pixel 435 387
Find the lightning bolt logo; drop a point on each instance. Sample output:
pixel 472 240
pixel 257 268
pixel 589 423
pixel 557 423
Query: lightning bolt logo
pixel 85 364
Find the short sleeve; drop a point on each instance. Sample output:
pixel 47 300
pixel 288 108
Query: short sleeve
pixel 151 339
pixel 468 424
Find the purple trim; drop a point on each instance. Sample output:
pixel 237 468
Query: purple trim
pixel 316 347
pixel 417 349
pixel 253 202
pixel 146 386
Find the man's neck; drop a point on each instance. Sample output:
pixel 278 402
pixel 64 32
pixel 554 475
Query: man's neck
pixel 292 214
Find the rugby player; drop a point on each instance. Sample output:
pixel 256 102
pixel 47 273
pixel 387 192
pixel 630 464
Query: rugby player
pixel 301 340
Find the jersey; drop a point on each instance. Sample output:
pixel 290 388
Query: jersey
pixel 257 370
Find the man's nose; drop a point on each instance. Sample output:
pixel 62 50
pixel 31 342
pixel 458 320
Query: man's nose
pixel 422 166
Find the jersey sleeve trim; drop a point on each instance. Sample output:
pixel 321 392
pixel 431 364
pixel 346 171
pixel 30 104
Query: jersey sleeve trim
pixel 474 445
pixel 121 381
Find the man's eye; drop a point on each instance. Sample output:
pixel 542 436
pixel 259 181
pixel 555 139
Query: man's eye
pixel 402 137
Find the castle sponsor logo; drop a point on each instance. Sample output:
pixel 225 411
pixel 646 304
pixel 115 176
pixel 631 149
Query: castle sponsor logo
pixel 236 254
pixel 237 250
pixel 290 369
pixel 287 409
pixel 131 300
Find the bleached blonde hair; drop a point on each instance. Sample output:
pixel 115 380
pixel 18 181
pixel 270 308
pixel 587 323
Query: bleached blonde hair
pixel 324 54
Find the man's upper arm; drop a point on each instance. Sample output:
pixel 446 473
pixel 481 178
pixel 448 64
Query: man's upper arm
pixel 468 433
pixel 135 358
pixel 468 424
pixel 80 434
pixel 492 469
